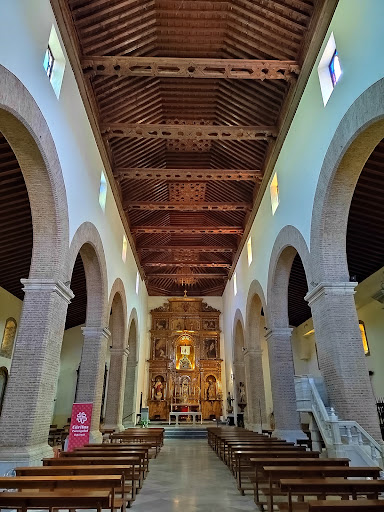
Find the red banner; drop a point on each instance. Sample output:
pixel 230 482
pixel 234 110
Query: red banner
pixel 80 426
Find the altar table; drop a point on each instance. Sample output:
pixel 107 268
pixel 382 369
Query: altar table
pixel 186 413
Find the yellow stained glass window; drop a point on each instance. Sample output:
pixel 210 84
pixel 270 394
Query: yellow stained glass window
pixel 364 337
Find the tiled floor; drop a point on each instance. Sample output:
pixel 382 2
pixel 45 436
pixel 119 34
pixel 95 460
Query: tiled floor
pixel 187 476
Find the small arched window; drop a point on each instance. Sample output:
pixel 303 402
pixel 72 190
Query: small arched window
pixel 8 338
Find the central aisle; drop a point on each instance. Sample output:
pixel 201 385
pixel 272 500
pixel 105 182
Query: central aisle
pixel 187 476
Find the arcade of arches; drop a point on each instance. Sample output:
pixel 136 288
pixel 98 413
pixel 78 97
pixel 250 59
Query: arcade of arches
pixel 186 280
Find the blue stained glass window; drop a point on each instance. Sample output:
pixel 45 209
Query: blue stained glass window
pixel 48 62
pixel 335 68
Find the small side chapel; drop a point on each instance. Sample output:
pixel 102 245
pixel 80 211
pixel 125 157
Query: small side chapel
pixel 185 363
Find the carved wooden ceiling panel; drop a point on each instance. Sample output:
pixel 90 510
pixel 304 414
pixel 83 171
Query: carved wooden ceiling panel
pixel 189 97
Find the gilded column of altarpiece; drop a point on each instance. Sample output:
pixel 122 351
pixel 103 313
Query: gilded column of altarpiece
pixel 185 364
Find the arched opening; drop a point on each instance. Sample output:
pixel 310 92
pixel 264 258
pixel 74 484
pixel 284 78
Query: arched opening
pixel 33 248
pixel 117 363
pixel 258 382
pixel 130 395
pixel 239 389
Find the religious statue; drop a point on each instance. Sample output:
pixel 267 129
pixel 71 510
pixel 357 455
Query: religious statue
pixel 229 403
pixel 185 391
pixel 158 387
pixel 242 398
pixel 211 390
pixel 185 363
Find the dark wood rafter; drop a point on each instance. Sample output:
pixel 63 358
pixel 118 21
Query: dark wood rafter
pixel 191 68
pixel 217 230
pixel 198 249
pixel 188 158
pixel 178 264
pixel 143 173
pixel 190 132
pixel 189 207
pixel 196 275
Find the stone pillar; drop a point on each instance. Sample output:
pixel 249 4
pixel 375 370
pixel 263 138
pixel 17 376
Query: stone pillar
pixel 341 354
pixel 254 386
pixel 129 415
pixel 91 374
pixel 116 383
pixel 282 370
pixel 29 398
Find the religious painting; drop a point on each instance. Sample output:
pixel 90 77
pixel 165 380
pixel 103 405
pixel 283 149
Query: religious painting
pixel 160 348
pixel 210 388
pixel 210 325
pixel 210 348
pixel 161 324
pixel 8 338
pixel 3 384
pixel 192 324
pixel 178 324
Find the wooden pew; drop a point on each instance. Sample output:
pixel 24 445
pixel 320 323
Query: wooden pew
pixel 327 487
pixel 242 456
pixel 127 474
pixel 276 473
pixel 346 506
pixel 135 462
pixel 63 499
pixel 90 452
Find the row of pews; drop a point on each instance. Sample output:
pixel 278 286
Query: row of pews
pixel 96 476
pixel 290 478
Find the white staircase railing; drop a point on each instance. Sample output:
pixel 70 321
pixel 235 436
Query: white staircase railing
pixel 341 438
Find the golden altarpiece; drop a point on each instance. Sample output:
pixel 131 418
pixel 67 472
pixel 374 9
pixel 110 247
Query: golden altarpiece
pixel 185 364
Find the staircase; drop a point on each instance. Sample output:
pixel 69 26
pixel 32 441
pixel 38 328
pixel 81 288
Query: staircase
pixel 341 438
pixel 185 433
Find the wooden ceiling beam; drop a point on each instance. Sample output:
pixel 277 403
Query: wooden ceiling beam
pixel 142 173
pixel 179 264
pixel 191 67
pixel 182 206
pixel 185 276
pixel 187 131
pixel 214 230
pixel 185 248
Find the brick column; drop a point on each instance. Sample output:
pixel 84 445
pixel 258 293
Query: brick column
pixel 283 385
pixel 116 383
pixel 254 386
pixel 29 399
pixel 129 410
pixel 341 354
pixel 91 374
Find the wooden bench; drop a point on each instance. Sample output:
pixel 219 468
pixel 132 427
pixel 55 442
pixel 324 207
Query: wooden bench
pixel 63 499
pixel 346 506
pixel 141 453
pixel 126 474
pixel 328 487
pixel 276 473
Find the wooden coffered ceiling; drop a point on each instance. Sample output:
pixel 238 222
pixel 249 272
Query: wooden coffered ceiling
pixel 189 101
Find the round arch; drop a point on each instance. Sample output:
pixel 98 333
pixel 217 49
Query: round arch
pixel 288 243
pixel 130 395
pixel 238 337
pixel 255 302
pixel 27 132
pixel 118 321
pixel 356 136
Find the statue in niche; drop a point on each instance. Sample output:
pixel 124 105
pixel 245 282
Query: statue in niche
pixel 158 388
pixel 242 398
pixel 185 363
pixel 185 391
pixel 211 389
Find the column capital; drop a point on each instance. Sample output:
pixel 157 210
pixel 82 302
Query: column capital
pixel 278 331
pixel 253 351
pixel 96 332
pixel 48 285
pixel 119 351
pixel 330 288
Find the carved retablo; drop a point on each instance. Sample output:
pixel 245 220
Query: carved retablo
pixel 185 363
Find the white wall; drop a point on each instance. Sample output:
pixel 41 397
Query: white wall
pixel 359 38
pixel 24 32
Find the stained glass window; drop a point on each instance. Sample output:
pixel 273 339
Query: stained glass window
pixel 335 68
pixel 103 191
pixel 48 62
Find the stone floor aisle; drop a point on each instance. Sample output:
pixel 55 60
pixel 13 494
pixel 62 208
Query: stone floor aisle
pixel 187 476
